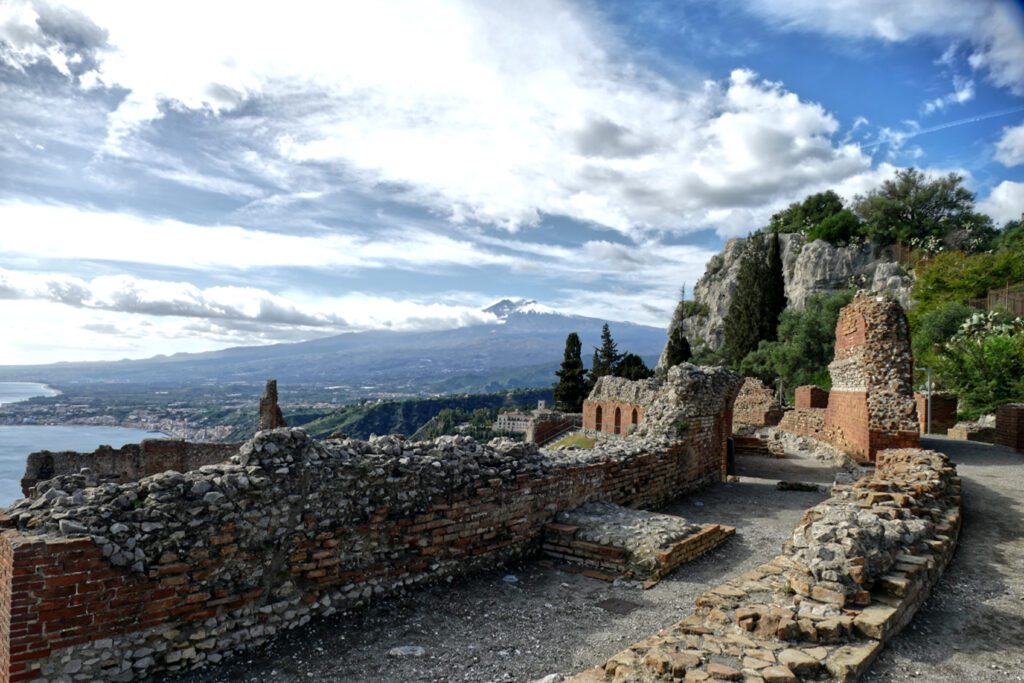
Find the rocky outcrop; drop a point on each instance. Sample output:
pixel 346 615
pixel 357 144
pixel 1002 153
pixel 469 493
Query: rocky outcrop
pixel 808 269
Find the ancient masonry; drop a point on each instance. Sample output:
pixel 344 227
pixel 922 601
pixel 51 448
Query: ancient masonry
pixel 1010 426
pixel 128 463
pixel 756 406
pixel 810 397
pixel 854 573
pixel 871 405
pixel 114 581
pixel 944 407
pixel 270 413
pixel 617 405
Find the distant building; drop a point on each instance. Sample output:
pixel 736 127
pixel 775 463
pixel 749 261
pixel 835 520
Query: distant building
pixel 514 422
pixel 538 425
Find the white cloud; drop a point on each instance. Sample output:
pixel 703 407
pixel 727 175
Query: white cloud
pixel 993 28
pixel 496 113
pixel 62 232
pixel 1010 148
pixel 963 92
pixel 1005 202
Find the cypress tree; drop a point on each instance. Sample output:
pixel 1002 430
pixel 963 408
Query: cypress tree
pixel 775 289
pixel 571 388
pixel 745 323
pixel 678 350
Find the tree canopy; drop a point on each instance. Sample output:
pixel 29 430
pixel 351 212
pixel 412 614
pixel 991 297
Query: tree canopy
pixel 758 300
pixel 803 216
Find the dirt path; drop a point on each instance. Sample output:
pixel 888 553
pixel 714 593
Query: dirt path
pixel 972 627
pixel 486 629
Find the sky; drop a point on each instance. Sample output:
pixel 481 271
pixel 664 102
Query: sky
pixel 186 176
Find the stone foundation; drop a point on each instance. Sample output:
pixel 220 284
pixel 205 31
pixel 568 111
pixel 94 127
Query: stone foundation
pixel 629 544
pixel 131 462
pixel 857 569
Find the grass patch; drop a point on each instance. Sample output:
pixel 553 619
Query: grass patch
pixel 574 441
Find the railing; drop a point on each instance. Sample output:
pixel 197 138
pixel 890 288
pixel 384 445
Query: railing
pixel 1009 298
pixel 577 423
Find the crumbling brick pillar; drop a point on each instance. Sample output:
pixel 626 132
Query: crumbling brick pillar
pixel 871 405
pixel 270 413
pixel 1010 426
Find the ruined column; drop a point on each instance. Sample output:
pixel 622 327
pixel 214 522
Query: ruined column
pixel 270 413
pixel 871 406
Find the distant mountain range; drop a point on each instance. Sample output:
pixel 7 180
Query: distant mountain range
pixel 523 349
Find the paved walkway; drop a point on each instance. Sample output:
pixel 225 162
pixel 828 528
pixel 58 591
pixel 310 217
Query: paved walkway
pixel 972 627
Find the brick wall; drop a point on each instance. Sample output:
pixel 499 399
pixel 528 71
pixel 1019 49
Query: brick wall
pixel 944 409
pixel 546 425
pixel 804 422
pixel 1010 426
pixel 810 396
pixel 599 416
pixel 128 463
pixel 871 405
pixel 310 531
pixel 756 406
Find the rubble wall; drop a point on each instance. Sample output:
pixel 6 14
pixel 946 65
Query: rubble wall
pixel 871 406
pixel 616 393
pixel 755 406
pixel 804 422
pixel 854 573
pixel 128 463
pixel 177 570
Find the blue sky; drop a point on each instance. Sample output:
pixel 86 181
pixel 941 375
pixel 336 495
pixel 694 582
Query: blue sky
pixel 187 176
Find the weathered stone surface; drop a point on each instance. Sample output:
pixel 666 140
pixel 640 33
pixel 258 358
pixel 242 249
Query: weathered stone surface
pixel 756 406
pixel 270 412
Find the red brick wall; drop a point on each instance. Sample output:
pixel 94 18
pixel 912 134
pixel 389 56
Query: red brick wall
pixel 607 411
pixel 64 593
pixel 943 412
pixel 810 396
pixel 1010 426
pixel 846 422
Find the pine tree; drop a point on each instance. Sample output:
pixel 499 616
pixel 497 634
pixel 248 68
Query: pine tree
pixel 775 289
pixel 571 388
pixel 607 356
pixel 677 350
pixel 745 323
pixel 633 367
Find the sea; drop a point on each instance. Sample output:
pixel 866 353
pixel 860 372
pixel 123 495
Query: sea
pixel 17 441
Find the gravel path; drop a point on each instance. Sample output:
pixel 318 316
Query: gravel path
pixel 972 627
pixel 486 629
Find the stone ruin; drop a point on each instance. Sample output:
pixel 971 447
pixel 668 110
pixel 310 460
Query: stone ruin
pixel 756 406
pixel 871 406
pixel 176 570
pixel 270 413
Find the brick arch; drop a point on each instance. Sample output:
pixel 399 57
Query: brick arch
pixel 599 419
pixel 618 420
pixel 635 417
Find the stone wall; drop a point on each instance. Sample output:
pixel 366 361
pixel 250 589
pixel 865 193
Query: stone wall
pixel 854 573
pixel 755 406
pixel 128 463
pixel 616 403
pixel 1010 426
pixel 804 422
pixel 871 405
pixel 810 396
pixel 944 407
pixel 110 581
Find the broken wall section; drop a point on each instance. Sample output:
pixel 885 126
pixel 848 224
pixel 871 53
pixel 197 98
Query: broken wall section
pixel 871 405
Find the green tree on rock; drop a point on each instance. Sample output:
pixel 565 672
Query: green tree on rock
pixel 911 209
pixel 571 389
pixel 803 216
pixel 677 350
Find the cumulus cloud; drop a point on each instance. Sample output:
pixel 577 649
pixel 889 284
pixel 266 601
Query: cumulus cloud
pixel 483 113
pixel 1010 148
pixel 993 29
pixel 1005 202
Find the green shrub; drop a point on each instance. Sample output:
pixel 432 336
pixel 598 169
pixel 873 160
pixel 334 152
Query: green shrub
pixel 984 363
pixel 838 229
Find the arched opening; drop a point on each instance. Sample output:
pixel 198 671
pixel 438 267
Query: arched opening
pixel 636 417
pixel 618 420
pixel 598 421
